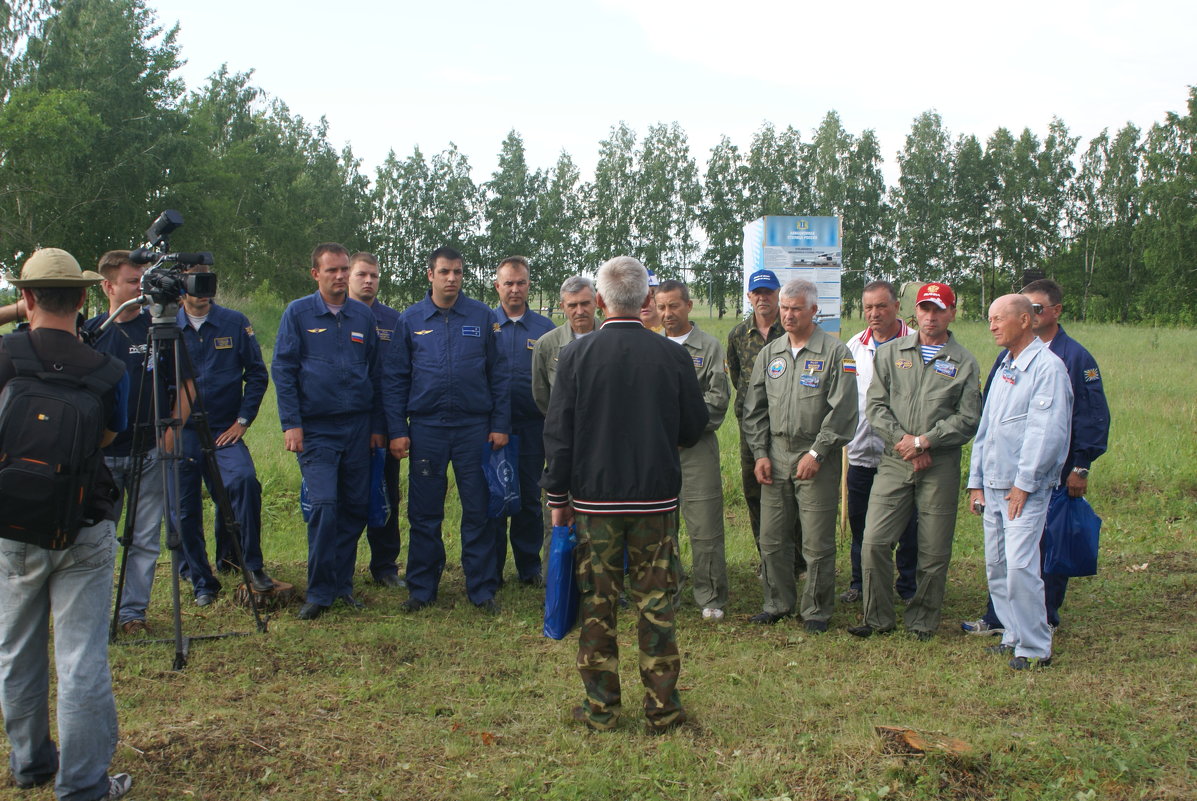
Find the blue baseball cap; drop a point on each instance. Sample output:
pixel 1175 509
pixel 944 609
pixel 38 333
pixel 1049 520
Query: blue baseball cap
pixel 763 279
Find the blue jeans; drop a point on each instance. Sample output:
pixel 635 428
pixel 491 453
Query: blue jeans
pixel 147 531
pixel 335 463
pixel 75 585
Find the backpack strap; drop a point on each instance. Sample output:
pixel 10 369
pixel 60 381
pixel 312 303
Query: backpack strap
pixel 26 362
pixel 24 358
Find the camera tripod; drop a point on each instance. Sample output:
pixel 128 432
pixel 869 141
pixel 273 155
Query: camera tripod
pixel 165 336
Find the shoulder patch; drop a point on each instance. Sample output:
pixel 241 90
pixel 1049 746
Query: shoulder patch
pixel 1092 375
pixel 249 329
pixel 849 365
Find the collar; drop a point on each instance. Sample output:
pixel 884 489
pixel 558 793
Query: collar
pixel 1023 362
pixel 866 336
pixel 623 322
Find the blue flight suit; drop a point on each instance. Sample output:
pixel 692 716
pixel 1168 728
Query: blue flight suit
pixel 445 385
pixel 384 540
pixel 326 378
pixel 516 341
pixel 230 380
pixel 1090 435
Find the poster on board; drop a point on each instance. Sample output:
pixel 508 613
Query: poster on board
pixel 799 247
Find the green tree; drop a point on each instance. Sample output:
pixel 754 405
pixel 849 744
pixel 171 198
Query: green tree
pixel 773 181
pixel 509 205
pixel 560 230
pixel 665 213
pixel 923 199
pixel 722 216
pixel 868 219
pixel 611 198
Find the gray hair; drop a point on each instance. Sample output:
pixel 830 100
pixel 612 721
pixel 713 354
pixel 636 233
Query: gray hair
pixel 575 284
pixel 801 289
pixel 623 283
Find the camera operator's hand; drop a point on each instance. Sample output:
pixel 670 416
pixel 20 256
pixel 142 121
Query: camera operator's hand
pixel 232 435
pixel 293 440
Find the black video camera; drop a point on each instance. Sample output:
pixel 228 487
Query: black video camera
pixel 169 275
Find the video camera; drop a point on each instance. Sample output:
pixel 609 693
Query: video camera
pixel 167 279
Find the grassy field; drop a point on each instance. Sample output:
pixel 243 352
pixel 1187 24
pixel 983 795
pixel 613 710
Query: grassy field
pixel 450 704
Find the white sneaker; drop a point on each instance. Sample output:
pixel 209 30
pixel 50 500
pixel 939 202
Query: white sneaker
pixel 711 613
pixel 119 785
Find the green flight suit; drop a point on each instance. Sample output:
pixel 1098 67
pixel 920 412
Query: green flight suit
pixel 702 484
pixel 794 405
pixel 940 399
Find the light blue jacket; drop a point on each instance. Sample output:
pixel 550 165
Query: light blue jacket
pixel 1026 423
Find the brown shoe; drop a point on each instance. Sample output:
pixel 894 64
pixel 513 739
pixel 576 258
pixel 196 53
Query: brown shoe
pixel 132 627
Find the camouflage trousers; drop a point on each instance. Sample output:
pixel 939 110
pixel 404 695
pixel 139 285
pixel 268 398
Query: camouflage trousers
pixel 651 543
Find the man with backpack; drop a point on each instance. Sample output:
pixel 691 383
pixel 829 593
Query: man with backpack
pixel 60 401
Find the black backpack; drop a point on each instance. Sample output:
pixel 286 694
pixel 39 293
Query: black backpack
pixel 50 429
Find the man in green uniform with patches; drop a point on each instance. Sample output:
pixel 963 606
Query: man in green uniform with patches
pixel 577 304
pixel 702 483
pixel 744 342
pixel 925 404
pixel 800 412
pixel 623 402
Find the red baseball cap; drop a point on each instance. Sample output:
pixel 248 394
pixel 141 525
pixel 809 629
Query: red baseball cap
pixel 939 294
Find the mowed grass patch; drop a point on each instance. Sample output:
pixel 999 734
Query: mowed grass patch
pixel 451 704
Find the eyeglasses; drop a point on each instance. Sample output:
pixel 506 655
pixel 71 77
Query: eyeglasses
pixel 1037 308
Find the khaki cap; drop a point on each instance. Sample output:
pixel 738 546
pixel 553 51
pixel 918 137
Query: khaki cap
pixel 51 267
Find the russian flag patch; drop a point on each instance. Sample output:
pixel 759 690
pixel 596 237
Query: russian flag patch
pixel 849 365
pixel 357 336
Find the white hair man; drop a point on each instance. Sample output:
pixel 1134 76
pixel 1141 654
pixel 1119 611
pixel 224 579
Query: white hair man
pixel 624 402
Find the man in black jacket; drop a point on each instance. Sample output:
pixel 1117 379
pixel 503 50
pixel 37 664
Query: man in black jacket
pixel 623 403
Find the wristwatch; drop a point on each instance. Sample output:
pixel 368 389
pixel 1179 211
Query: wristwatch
pixel 243 421
pixel 815 455
pixel 1083 472
pixel 918 444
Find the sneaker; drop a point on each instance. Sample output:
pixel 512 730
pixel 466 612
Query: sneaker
pixel 711 613
pixel 980 627
pixel 850 596
pixel 1030 662
pixel 1001 649
pixel 118 785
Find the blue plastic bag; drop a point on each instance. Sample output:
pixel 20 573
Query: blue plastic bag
pixel 379 509
pixel 1071 537
pixel 502 470
pixel 561 586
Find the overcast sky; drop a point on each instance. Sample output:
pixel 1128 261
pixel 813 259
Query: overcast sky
pixel 400 75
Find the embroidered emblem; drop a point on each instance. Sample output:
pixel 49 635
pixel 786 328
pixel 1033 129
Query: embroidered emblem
pixel 317 330
pixel 850 366
pixel 249 329
pixel 777 367
pixel 1092 375
pixel 904 364
pixel 385 334
pixel 223 343
pixel 422 333
pixel 813 366
pixel 531 344
pixel 474 330
pixel 698 361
